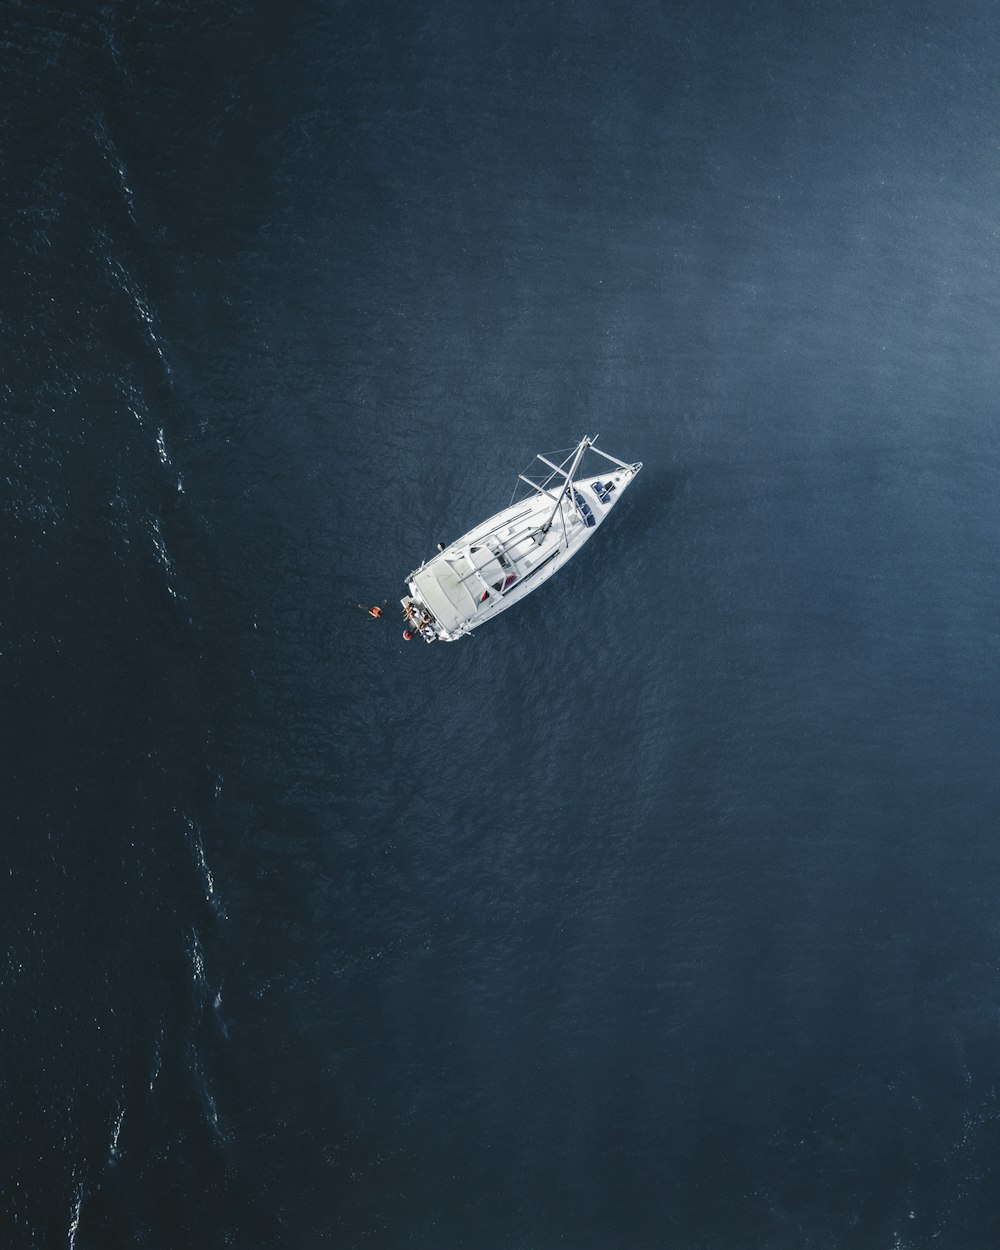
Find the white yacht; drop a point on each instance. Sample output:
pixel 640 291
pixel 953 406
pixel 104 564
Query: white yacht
pixel 503 559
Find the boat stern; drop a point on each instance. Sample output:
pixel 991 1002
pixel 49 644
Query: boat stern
pixel 418 620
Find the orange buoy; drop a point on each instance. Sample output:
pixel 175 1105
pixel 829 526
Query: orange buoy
pixel 407 635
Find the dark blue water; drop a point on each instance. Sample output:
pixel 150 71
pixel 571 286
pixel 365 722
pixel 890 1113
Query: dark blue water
pixel 661 913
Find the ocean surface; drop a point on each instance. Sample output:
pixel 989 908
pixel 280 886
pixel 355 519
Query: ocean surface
pixel 660 914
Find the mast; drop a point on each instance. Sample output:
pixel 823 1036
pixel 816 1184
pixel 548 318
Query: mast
pixel 584 444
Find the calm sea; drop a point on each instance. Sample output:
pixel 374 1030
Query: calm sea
pixel 661 914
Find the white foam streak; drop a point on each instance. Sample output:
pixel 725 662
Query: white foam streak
pixel 115 1135
pixel 74 1220
pixel 197 960
pixel 163 555
pixel 157 1060
pixel 111 155
pixel 199 854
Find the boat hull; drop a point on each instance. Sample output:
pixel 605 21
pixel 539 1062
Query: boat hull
pixel 508 556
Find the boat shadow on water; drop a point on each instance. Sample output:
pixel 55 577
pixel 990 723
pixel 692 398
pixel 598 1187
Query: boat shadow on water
pixel 627 559
pixel 648 505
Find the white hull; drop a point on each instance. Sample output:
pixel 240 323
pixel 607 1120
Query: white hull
pixel 506 557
